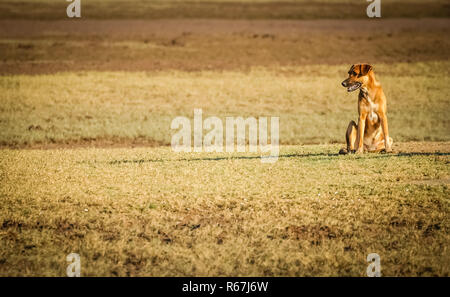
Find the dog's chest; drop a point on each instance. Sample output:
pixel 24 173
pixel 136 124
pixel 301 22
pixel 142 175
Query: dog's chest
pixel 371 107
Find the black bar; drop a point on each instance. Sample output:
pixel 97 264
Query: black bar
pixel 225 286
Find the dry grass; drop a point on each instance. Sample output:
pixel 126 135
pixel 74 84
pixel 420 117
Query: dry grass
pixel 312 106
pixel 46 47
pixel 148 211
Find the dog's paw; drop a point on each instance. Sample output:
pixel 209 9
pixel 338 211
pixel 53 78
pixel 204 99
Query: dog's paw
pixel 343 151
pixel 385 151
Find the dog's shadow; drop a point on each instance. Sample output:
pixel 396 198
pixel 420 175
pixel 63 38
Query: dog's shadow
pixel 318 156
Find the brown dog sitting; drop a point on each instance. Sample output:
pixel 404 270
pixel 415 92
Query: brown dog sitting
pixel 371 134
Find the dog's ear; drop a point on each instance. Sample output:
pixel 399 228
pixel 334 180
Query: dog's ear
pixel 365 68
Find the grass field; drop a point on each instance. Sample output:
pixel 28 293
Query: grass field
pixel 86 166
pixel 148 211
pixel 138 107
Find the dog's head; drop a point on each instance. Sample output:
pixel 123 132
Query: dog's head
pixel 358 76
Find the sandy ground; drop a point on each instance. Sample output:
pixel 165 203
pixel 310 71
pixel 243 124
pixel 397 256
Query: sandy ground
pixel 172 28
pixel 37 47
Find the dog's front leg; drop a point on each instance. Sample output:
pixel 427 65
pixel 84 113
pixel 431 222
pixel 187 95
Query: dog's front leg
pixel 384 126
pixel 361 127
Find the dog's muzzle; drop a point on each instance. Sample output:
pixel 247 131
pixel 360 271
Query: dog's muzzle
pixel 351 87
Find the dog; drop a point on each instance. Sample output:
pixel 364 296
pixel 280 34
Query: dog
pixel 371 134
